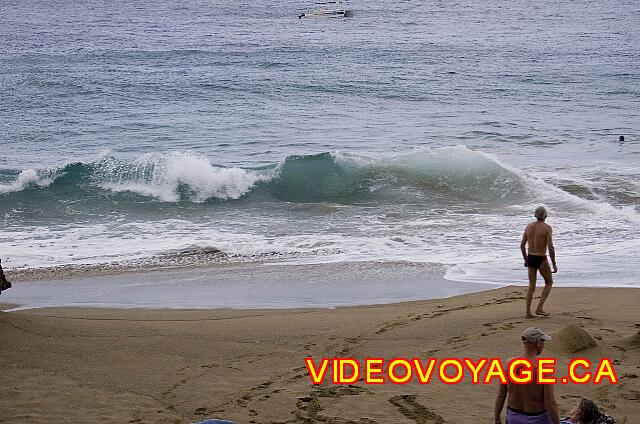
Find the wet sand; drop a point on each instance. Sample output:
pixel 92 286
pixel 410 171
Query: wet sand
pixel 239 286
pixel 176 366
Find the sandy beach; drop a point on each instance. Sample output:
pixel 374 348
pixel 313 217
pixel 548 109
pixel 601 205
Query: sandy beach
pixel 179 366
pixel 197 197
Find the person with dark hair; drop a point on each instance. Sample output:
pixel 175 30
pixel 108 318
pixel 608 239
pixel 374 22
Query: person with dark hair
pixel 621 138
pixel 4 283
pixel 586 412
pixel 538 236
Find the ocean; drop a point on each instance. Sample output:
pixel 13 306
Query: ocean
pixel 219 132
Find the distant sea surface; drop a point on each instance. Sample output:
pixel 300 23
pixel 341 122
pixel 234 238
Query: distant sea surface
pixel 415 131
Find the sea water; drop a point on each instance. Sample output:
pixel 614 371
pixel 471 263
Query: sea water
pixel 417 132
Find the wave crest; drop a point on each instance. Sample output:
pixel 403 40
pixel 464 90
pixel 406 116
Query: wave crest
pixel 175 177
pixel 26 178
pixel 450 174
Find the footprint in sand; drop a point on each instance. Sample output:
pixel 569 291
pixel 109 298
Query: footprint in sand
pixel 631 395
pixel 309 407
pixel 457 339
pixel 411 409
pixel 201 411
pixel 570 397
pixel 391 326
pixel 210 366
pixel 296 378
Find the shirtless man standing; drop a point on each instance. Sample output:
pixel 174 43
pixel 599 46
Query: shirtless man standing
pixel 538 235
pixel 530 403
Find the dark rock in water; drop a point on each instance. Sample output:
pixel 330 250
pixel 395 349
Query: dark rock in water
pixel 198 251
pixel 4 283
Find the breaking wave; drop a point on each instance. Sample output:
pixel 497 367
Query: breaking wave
pixel 451 174
pixel 26 178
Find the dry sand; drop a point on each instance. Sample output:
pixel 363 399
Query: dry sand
pixel 170 366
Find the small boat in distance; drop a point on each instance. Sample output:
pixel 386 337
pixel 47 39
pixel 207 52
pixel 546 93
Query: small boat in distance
pixel 328 13
pixel 338 13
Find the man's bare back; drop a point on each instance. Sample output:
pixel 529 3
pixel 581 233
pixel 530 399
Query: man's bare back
pixel 532 402
pixel 538 237
pixel 529 397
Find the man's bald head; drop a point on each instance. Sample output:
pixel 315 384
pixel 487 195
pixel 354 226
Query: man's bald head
pixel 541 213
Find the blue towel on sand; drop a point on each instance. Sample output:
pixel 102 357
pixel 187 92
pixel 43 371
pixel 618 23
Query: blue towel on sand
pixel 212 421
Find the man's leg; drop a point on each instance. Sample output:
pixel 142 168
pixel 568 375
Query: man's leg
pixel 545 271
pixel 532 288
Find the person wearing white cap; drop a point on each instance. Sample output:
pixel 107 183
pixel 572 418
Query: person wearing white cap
pixel 538 236
pixel 530 403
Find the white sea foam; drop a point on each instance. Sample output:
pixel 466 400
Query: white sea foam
pixel 161 176
pixel 26 178
pixel 478 242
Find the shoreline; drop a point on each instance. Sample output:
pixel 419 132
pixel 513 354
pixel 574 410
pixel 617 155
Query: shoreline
pixel 167 366
pixel 247 286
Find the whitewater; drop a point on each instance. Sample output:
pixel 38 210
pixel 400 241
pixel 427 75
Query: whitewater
pixel 452 206
pixel 187 135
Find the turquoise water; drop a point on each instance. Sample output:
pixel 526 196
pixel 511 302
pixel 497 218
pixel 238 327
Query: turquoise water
pixel 412 131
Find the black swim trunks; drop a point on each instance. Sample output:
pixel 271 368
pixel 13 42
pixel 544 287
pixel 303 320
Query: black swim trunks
pixel 534 261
